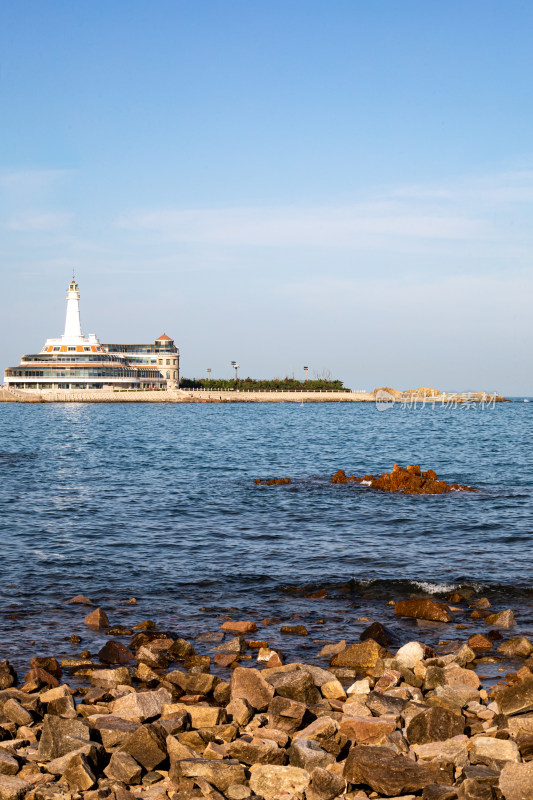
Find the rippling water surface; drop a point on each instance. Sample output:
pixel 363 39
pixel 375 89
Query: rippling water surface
pixel 158 502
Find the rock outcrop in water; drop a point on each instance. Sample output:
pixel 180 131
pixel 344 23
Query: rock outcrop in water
pixel 160 725
pixel 272 481
pixel 407 480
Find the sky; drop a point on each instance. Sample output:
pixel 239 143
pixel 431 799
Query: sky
pixel 341 184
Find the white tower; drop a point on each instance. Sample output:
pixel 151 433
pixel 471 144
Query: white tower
pixel 72 321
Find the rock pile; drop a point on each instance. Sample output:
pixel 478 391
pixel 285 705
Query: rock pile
pixel 407 480
pixel 152 721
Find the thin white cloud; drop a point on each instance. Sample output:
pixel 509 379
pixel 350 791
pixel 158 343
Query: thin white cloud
pixel 39 222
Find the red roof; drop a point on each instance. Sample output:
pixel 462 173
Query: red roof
pixel 164 338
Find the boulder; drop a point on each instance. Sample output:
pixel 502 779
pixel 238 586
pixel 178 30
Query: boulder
pixel 367 730
pixel 480 643
pixel 268 780
pixel 258 751
pixel 8 764
pixel 147 746
pixel 518 646
pixel 242 627
pixel 285 714
pixel 325 785
pixel 113 730
pixel 296 685
pixel 15 712
pixel 454 750
pixel 384 771
pixel 485 749
pixel 359 656
pixel 114 652
pixel 79 774
pixel 502 619
pixel 410 654
pixel 308 754
pixel 111 678
pixel 517 697
pixel 248 684
pixel 61 736
pixel 141 705
pixel 13 788
pixel 8 676
pixel 378 633
pixel 423 609
pixel 516 781
pixel 123 767
pixel 97 619
pixel 221 773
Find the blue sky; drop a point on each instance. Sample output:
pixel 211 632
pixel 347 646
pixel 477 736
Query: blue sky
pixel 343 184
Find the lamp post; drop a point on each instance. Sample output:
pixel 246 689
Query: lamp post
pixel 235 367
pixel 305 370
pixel 208 374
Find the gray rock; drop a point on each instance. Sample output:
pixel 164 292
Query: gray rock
pixel 114 730
pixel 61 736
pixel 308 754
pixel 59 765
pixel 123 767
pixel 297 685
pixel 235 645
pixel 141 706
pixel 62 707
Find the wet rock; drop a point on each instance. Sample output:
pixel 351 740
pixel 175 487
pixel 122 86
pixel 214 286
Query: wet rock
pixel 249 685
pixel 294 630
pixel 285 714
pixel 333 649
pixel 180 650
pixel 141 706
pixel 61 736
pixel 434 725
pixel 221 774
pixel 308 754
pixel 480 643
pixel 13 788
pixel 124 768
pixel 384 771
pixel 423 609
pixel 502 619
pixel 236 646
pixel 241 628
pixel 297 685
pixel 516 781
pixel 359 656
pixel 270 781
pixel 48 663
pixel 40 677
pixel 518 696
pixel 272 481
pixel 97 619
pixel 114 652
pixel 8 764
pixel 147 745
pixel 378 633
pixel 518 646
pixel 8 676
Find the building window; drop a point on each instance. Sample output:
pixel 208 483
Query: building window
pixel 168 374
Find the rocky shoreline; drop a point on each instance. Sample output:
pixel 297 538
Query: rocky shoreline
pixel 153 718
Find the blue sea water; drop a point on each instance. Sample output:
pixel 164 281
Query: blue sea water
pixel 158 502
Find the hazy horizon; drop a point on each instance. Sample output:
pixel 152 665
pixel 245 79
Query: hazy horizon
pixel 343 185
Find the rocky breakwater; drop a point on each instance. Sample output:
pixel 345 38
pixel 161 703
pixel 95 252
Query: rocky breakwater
pixel 407 480
pixel 151 720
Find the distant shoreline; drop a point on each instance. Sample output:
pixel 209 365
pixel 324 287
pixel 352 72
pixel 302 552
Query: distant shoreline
pixel 380 397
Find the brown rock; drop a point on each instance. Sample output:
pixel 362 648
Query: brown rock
pixel 516 781
pixel 8 764
pixel 423 609
pixel 8 676
pixel 384 771
pixel 225 659
pixel 80 598
pixel 79 774
pixel 123 767
pixel 48 663
pixel 434 725
pixel 114 652
pixel 220 773
pixel 518 646
pixel 308 754
pixel 97 619
pixel 258 751
pixel 325 785
pixel 285 715
pixel 15 712
pixel 268 780
pixel 294 630
pixel 13 788
pixel 239 627
pixel 480 643
pixel 333 649
pixel 249 685
pixel 296 685
pixel 378 633
pixel 367 730
pixel 40 677
pixel 141 705
pixel 359 656
pixel 517 697
pixel 502 619
pixel 146 745
pixel 61 736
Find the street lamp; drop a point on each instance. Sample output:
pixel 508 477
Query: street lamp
pixel 305 370
pixel 208 374
pixel 235 367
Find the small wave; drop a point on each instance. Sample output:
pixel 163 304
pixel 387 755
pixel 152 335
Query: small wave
pixel 48 556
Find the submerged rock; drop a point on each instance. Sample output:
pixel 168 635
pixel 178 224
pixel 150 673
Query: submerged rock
pixel 272 481
pixel 407 480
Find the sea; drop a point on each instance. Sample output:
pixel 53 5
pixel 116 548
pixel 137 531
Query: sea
pixel 157 503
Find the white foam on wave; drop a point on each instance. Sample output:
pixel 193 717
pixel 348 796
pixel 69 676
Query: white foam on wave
pixel 367 483
pixel 439 588
pixel 48 556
